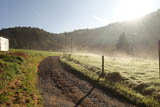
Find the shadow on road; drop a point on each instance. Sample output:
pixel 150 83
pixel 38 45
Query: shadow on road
pixel 80 101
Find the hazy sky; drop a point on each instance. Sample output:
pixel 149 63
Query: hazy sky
pixel 67 15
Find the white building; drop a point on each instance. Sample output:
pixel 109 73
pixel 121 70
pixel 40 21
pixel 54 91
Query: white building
pixel 4 44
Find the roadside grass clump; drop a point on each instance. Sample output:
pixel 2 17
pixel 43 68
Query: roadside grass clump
pixel 114 87
pixel 18 77
pixel 114 77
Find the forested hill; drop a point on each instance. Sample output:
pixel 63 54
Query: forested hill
pixel 31 38
pixel 141 37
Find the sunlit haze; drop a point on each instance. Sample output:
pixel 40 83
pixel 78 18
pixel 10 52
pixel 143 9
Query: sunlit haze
pixel 133 9
pixel 67 15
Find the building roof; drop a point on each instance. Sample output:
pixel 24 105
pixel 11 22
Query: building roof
pixel 4 36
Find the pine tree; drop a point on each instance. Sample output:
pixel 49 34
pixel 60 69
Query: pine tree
pixel 122 44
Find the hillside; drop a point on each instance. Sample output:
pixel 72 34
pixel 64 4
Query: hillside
pixel 31 38
pixel 141 34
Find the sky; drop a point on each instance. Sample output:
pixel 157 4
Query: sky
pixel 59 16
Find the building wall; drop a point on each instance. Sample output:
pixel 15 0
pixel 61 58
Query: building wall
pixel 4 44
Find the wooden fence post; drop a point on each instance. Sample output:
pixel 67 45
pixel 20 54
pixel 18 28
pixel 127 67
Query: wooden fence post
pixel 159 55
pixel 102 66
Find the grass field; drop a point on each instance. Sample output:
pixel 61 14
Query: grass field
pixel 133 79
pixel 18 77
pixel 135 70
pixel 131 75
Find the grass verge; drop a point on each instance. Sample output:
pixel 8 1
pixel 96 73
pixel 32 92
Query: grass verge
pixel 18 78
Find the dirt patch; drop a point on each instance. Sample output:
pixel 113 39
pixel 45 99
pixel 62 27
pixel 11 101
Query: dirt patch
pixel 60 88
pixel 21 54
pixel 1 71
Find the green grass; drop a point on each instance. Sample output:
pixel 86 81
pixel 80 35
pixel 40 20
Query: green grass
pixel 136 71
pixel 18 77
pixel 138 82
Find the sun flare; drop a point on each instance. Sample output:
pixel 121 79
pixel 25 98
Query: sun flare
pixel 132 9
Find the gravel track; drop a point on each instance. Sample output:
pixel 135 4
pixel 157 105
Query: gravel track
pixel 60 88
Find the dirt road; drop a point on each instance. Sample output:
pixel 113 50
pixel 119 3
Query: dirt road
pixel 60 88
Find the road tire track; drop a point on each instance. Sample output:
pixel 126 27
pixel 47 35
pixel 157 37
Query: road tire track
pixel 60 88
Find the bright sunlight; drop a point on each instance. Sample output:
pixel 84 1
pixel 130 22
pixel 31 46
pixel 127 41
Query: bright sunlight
pixel 133 9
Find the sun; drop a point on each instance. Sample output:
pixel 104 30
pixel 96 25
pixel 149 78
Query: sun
pixel 132 9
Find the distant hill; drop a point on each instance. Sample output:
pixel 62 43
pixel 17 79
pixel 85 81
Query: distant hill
pixel 31 38
pixel 142 36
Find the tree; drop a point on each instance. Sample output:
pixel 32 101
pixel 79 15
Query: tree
pixel 122 44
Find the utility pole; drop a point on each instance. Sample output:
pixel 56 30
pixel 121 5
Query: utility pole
pixel 66 42
pixel 71 43
pixel 63 47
